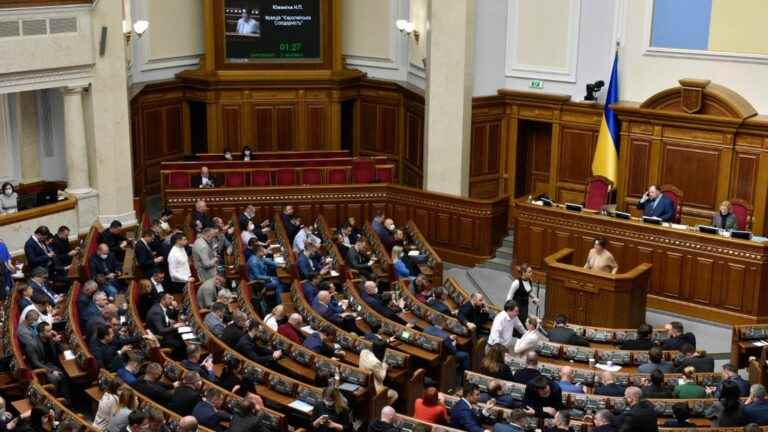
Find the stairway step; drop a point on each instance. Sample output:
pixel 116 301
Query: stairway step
pixel 498 263
pixel 508 244
pixel 505 252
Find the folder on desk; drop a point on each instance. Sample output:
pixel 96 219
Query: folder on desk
pixel 349 387
pixel 185 329
pixel 413 253
pixel 188 336
pixel 301 406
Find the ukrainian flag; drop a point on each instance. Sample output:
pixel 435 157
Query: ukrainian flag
pixel 606 161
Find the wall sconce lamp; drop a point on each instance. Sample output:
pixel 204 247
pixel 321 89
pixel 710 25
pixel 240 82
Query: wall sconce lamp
pixel 139 27
pixel 408 28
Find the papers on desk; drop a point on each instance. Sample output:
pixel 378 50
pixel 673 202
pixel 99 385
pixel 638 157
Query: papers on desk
pixel 334 273
pixel 188 336
pixel 307 330
pixel 301 406
pixel 68 355
pixel 605 367
pixel 413 253
pixel 279 260
pixel 760 239
pixel 348 387
pixel 760 343
pixel 185 329
pixel 678 226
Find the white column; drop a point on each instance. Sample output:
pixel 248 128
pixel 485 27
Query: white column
pixel 76 147
pixel 450 67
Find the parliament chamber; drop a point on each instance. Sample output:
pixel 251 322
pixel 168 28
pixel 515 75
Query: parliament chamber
pixel 383 216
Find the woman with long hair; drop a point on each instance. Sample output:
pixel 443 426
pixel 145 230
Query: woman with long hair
pixel 332 413
pixel 126 403
pixel 728 411
pixel 521 291
pixel 494 365
pixel 430 408
pixel 401 269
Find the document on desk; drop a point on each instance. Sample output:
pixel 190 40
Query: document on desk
pixel 334 273
pixel 349 387
pixel 185 329
pixel 301 406
pixel 413 253
pixel 188 336
pixel 68 355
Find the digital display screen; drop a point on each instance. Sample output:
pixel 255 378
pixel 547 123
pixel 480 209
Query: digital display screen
pixel 272 30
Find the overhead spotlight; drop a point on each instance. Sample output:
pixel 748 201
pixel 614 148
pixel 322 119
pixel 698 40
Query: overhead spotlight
pixel 139 27
pixel 592 89
pixel 408 28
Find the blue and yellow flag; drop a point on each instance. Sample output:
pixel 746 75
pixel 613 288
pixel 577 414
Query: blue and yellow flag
pixel 606 161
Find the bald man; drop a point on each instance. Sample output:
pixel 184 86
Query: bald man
pixel 292 329
pixel 386 423
pixel 641 415
pixel 200 217
pixel 474 314
pixel 608 385
pixel 567 383
pixel 187 424
pixel 106 269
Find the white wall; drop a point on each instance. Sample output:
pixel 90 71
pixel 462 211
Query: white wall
pixel 490 46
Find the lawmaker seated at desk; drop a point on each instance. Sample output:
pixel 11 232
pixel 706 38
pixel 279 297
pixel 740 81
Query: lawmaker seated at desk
pixel 656 204
pixel 724 219
pixel 599 259
pixel 8 199
pixel 204 180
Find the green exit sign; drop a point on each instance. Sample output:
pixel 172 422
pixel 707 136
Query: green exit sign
pixel 537 84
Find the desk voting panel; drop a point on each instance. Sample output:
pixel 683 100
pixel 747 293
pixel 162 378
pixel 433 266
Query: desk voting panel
pixel 701 275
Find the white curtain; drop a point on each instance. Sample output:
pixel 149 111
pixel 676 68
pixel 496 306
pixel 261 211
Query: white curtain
pixel 10 164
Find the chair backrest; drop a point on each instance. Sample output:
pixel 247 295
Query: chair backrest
pixel 235 179
pixel 597 192
pixel 338 176
pixel 261 178
pixel 312 176
pixel 286 177
pixel 385 174
pixel 743 212
pixel 676 195
pixel 179 180
pixel 363 170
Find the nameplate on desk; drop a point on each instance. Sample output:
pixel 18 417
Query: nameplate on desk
pixel 188 336
pixel 413 253
pixel 743 235
pixel 622 215
pixel 708 229
pixel 652 220
pixel 573 207
pixel 301 406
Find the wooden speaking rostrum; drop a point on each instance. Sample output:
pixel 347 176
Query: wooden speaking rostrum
pixel 594 298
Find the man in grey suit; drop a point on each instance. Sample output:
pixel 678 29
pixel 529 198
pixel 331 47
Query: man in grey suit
pixel 27 331
pixel 203 255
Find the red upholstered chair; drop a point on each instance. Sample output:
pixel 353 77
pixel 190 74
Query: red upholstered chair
pixel 260 178
pixel 676 195
pixel 743 212
pixel 312 176
pixel 385 174
pixel 285 177
pixel 597 192
pixel 179 180
pixel 363 171
pixel 235 179
pixel 338 176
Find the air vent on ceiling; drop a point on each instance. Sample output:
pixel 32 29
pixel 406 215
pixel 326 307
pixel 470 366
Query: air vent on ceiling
pixel 34 27
pixel 63 25
pixel 9 29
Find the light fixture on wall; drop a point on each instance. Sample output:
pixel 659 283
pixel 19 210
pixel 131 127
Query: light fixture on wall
pixel 408 28
pixel 139 27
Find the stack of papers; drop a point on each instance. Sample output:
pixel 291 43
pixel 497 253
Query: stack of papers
pixel 349 387
pixel 279 260
pixel 185 329
pixel 760 343
pixel 68 355
pixel 188 336
pixel 334 273
pixel 301 406
pixel 605 367
pixel 413 253
pixel 307 330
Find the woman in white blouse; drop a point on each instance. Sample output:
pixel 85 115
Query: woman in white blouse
pixel 274 319
pixel 521 291
pixel 530 339
pixel 108 405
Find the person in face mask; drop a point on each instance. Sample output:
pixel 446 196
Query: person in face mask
pixel 387 236
pixel 332 413
pixel 228 155
pixel 247 153
pixel 103 263
pixel 8 199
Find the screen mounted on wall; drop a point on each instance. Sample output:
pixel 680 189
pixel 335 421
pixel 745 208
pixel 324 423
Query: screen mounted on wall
pixel 262 31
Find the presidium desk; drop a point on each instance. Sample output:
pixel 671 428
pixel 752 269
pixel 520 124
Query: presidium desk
pixel 705 276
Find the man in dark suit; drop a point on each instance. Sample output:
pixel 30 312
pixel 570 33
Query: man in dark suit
pixel 463 415
pixel 204 180
pixel 148 298
pixel 655 204
pixel 322 342
pixel 604 421
pixel 39 284
pixel 114 239
pixel 187 394
pixel 372 298
pixel 59 244
pixel 640 415
pixel 108 350
pixel 474 313
pixel 309 263
pixel 235 329
pixel 192 363
pixel 332 312
pixel 449 345
pixel 608 386
pixel 530 371
pixel 689 357
pixel 543 396
pixel 43 353
pixel 145 257
pixel 160 320
pixel 677 337
pixel 200 217
pixel 208 411
pixel 644 342
pixel 250 348
pixel 36 250
pixel 311 287
pixel 563 334
pixel 150 385
pixel 104 263
pixel 358 259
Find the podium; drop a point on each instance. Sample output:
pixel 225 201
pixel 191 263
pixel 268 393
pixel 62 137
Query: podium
pixel 594 298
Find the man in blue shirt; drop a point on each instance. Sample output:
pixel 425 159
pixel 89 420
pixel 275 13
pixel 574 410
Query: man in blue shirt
pixel 655 204
pixel 756 407
pixel 449 344
pixel 311 287
pixel 262 269
pixel 567 383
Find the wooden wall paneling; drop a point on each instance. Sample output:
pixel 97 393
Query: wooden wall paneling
pixel 388 126
pixel 318 130
pixel 639 158
pixel 369 120
pixel 286 123
pixel 231 124
pixel 744 176
pixel 703 280
pixel 681 165
pixel 263 132
pixel 413 160
pixel 577 148
pixel 137 152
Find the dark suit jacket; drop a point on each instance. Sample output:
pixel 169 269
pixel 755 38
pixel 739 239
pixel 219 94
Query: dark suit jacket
pixel 37 354
pixel 613 389
pixel 525 375
pixel 674 344
pixel 42 290
pixel 757 412
pixel 245 423
pixel 203 218
pixel 145 259
pixel 327 312
pixel 641 417
pixel 36 256
pixel 532 399
pixel 358 261
pixel 106 355
pixel 310 291
pixel 730 221
pixel 197 180
pixel 184 400
pixel 702 364
pixel 664 209
pixel 306 266
pixel 156 321
pixel 377 304
pixel 232 334
pixel 156 391
pixel 565 335
pixel 203 372
pixel 249 348
pixel 463 417
pixel 208 416
pixel 104 266
pixel 468 314
pixel 636 345
pixel 113 241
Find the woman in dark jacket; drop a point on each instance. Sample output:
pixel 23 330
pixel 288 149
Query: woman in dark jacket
pixel 493 364
pixel 657 389
pixel 728 411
